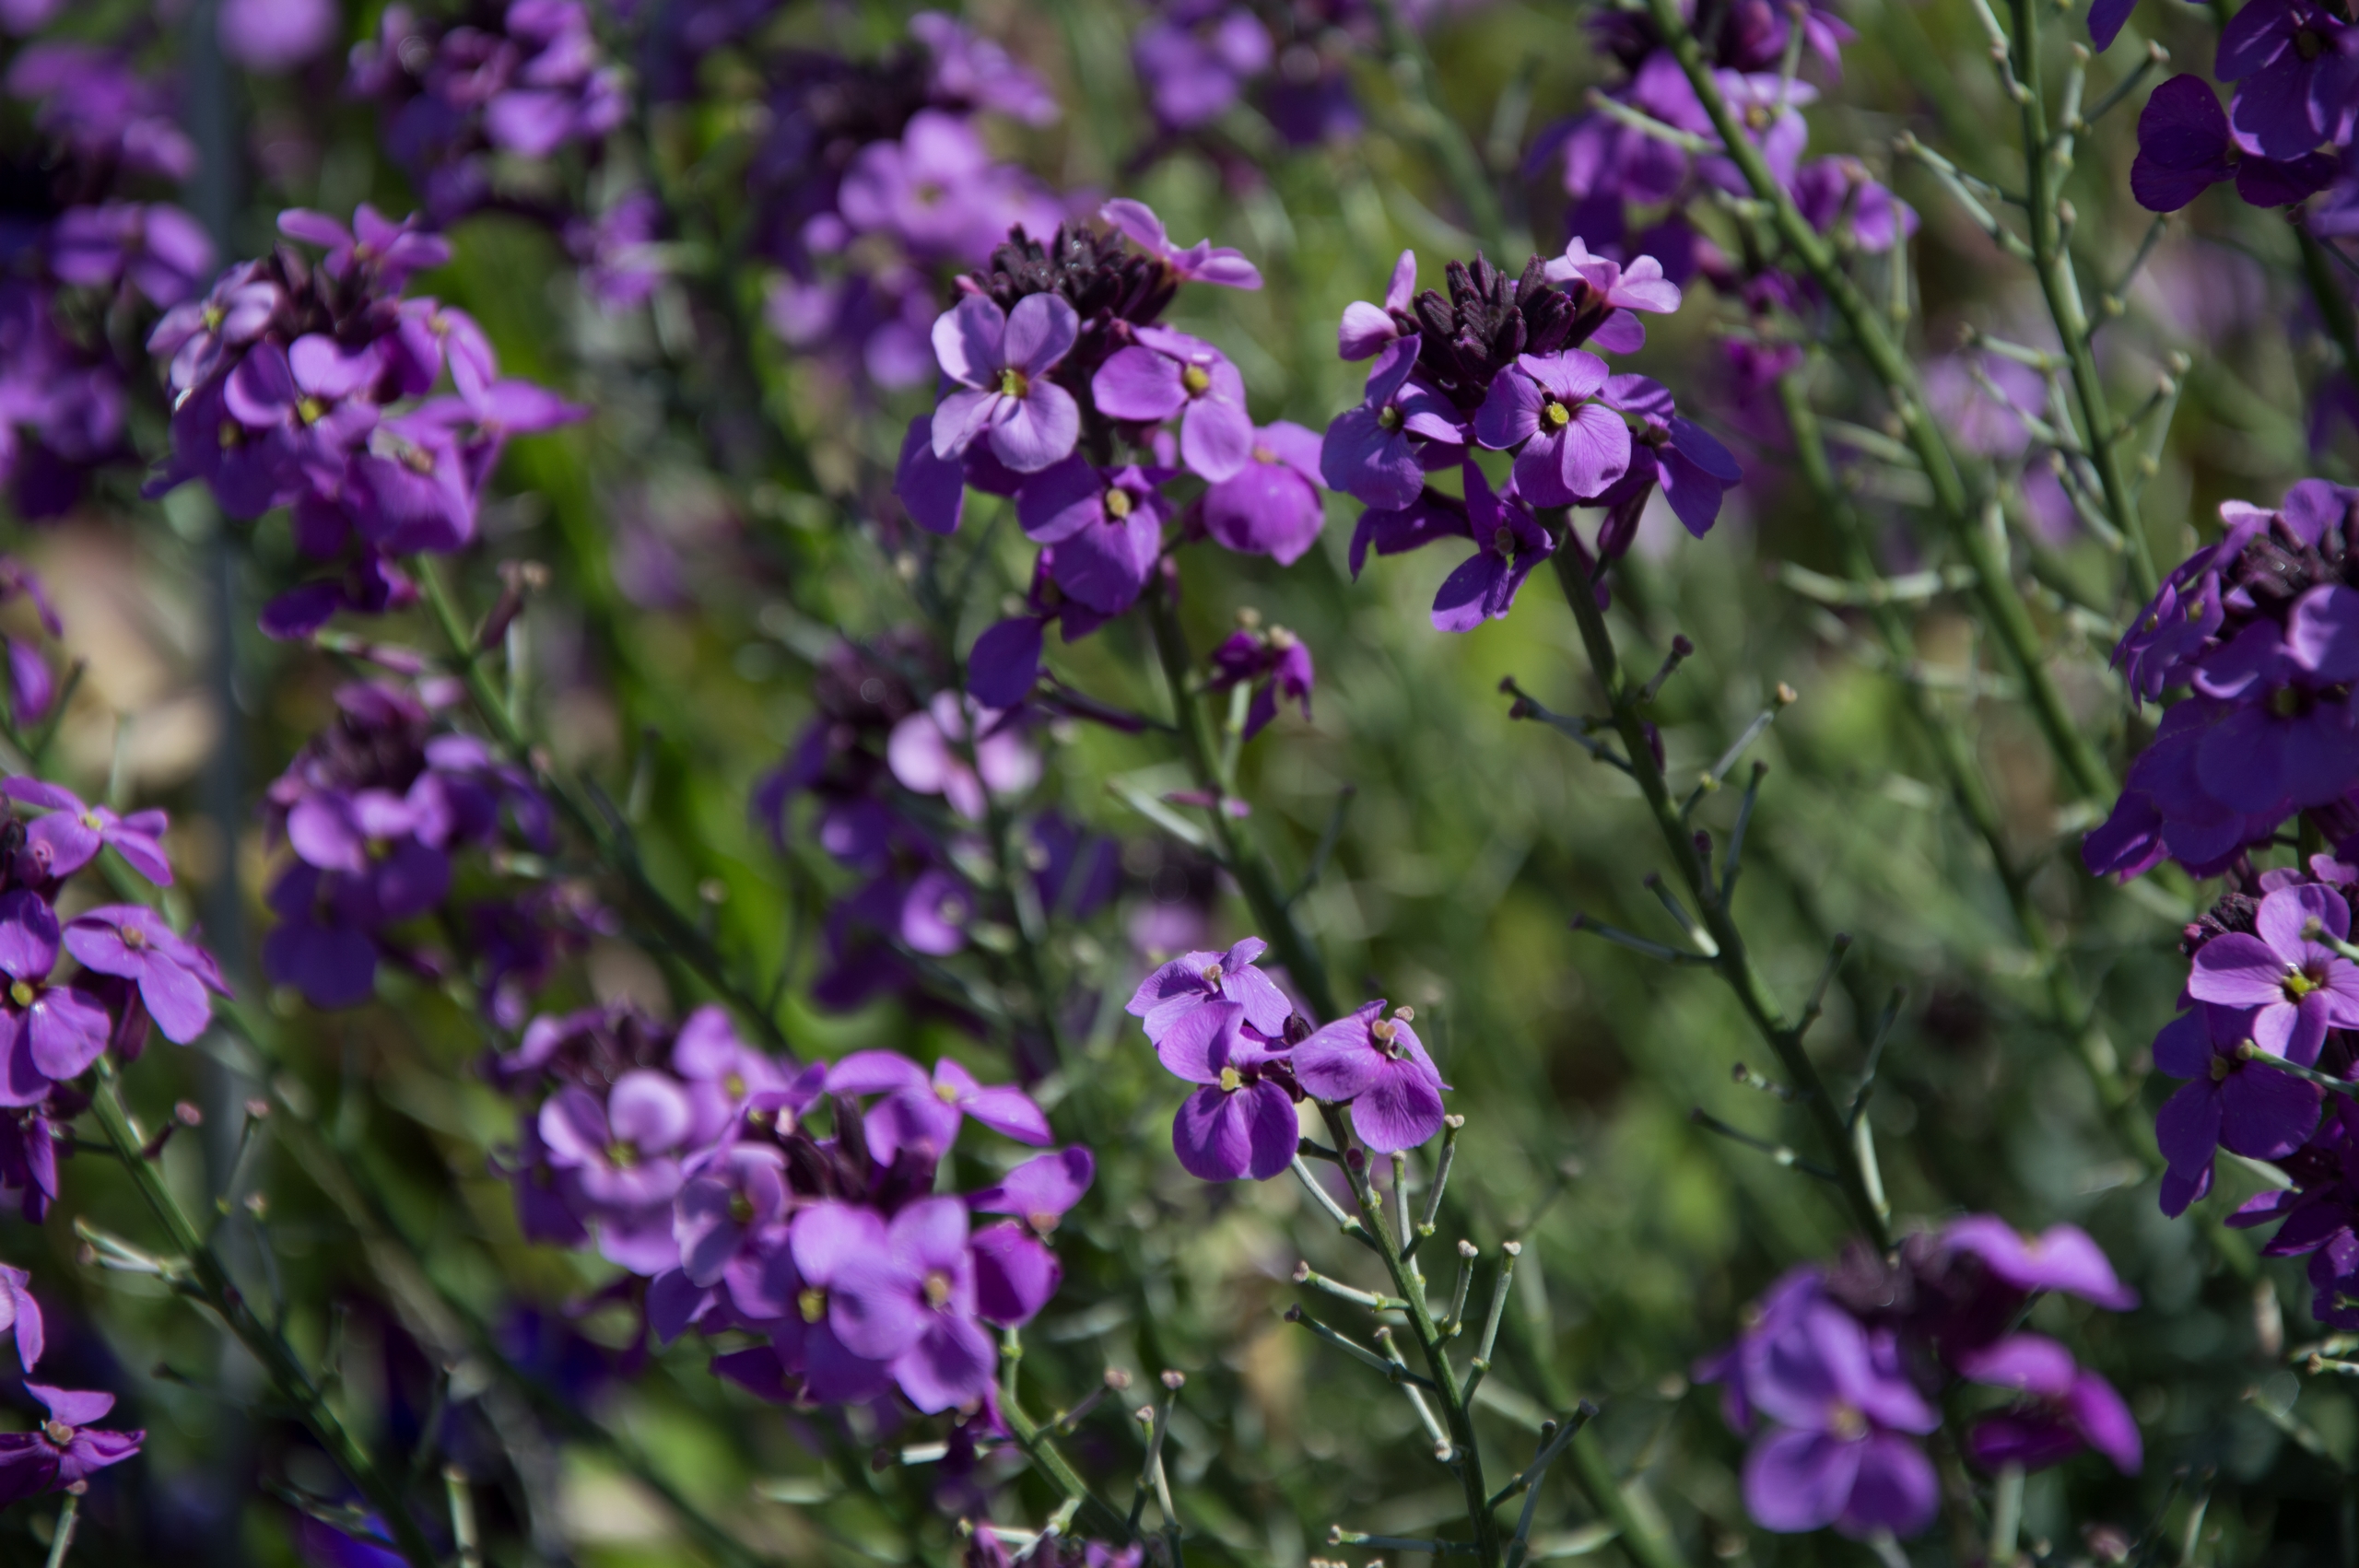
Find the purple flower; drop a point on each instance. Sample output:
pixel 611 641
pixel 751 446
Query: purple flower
pixel 1195 980
pixel 2185 146
pixel 1378 1066
pixel 1606 288
pixel 1271 505
pixel 271 36
pixel 626 1153
pixel 2293 66
pixel 2299 986
pixel 1041 1190
pixel 738 1195
pixel 1837 1454
pixel 925 1114
pixel 1366 451
pixel 932 189
pixel 1240 1123
pixel 64 1450
pixel 1510 542
pixel 815 1322
pixel 2248 1107
pixel 70 836
pixel 1167 372
pixel 2069 1409
pixel 1834 192
pixel 1015 1275
pixel 1200 263
pixel 133 943
pixel 20 1314
pixel 52 1032
pixel 2062 1257
pixel 911 1303
pixel 1276 664
pixel 1572 445
pixel 1003 360
pixel 1107 525
pixel 926 753
pixel 1367 328
pixel 1193 71
pixel 162 250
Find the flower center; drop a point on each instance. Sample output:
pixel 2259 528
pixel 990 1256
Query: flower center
pixel 2285 702
pixel 2307 43
pixel 1042 1221
pixel 57 1432
pixel 1118 504
pixel 1196 379
pixel 741 1209
pixel 1556 413
pixel 927 192
pixel 22 993
pixel 734 1085
pixel 1845 1421
pixel 1231 1081
pixel 1389 417
pixel 1758 117
pixel 1503 542
pixel 622 1155
pixel 90 820
pixel 310 409
pixel 812 1302
pixel 2221 1066
pixel 133 938
pixel 2298 983
pixel 947 1092
pixel 1013 383
pixel 1263 455
pixel 1212 975
pixel 937 1290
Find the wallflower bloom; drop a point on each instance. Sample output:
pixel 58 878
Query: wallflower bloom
pixel 1107 525
pixel 1240 1123
pixel 1378 1067
pixel 49 1035
pixel 1366 451
pixel 1572 445
pixel 1276 664
pixel 1605 288
pixel 2185 146
pixel 1003 360
pixel 2248 1107
pixel 173 975
pixel 1168 372
pixel 2299 987
pixel 1271 505
pixel 911 1304
pixel 2062 1257
pixel 2070 1407
pixel 924 753
pixel 1366 328
pixel 71 835
pixel 1839 1455
pixel 65 1449
pixel 1202 979
pixel 1200 263
pixel 1509 543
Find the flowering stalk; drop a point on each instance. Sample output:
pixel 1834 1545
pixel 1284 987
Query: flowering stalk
pixel 1733 964
pixel 2002 605
pixel 2047 159
pixel 208 1281
pixel 676 931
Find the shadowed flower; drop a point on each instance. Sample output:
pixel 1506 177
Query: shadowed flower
pixel 2062 1257
pixel 2069 1409
pixel 1271 505
pixel 64 1450
pixel 1166 373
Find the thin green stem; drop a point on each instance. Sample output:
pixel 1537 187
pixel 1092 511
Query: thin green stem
pixel 1735 963
pixel 2002 605
pixel 209 1281
pixel 1638 1532
pixel 2046 162
pixel 68 1519
pixel 1033 1437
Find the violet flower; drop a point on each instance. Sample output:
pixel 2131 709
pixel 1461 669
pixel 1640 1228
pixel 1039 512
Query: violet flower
pixel 71 835
pixel 817 1322
pixel 1166 373
pixel 1366 451
pixel 1509 541
pixel 1240 1123
pixel 1271 505
pixel 1275 664
pixel 132 943
pixel 49 1033
pixel 1015 1275
pixel 1570 444
pixel 738 1195
pixel 1838 1454
pixel 64 1450
pixel 925 1113
pixel 1107 525
pixel 1040 1190
pixel 2299 986
pixel 625 1152
pixel 910 1302
pixel 2185 146
pixel 1003 360
pixel 1378 1067
pixel 1605 285
pixel 1195 980
pixel 2295 70
pixel 926 753
pixel 2070 1408
pixel 1200 263
pixel 2062 1257
pixel 20 1314
pixel 2248 1107
pixel 1365 329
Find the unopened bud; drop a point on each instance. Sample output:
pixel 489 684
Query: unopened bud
pixel 257 1109
pixel 1469 1251
pixel 1117 1380
pixel 1301 1272
pixel 188 1115
pixel 1175 1380
pixel 1786 695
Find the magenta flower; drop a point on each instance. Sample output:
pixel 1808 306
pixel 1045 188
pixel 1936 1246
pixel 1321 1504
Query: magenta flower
pixel 1201 980
pixel 64 1450
pixel 384 254
pixel 1015 1275
pixel 815 1322
pixel 49 1033
pixel 1572 444
pixel 2069 1409
pixel 2062 1257
pixel 737 1196
pixel 1602 287
pixel 910 1302
pixel 1694 469
pixel 1166 374
pixel 160 250
pixel 2299 986
pixel 2248 1108
pixel 626 1153
pixel 1509 543
pixel 1838 1454
pixel 132 943
pixel 1365 329
pixel 1003 360
pixel 1271 505
pixel 1107 525
pixel 1240 1123
pixel 1366 451
pixel 1378 1067
pixel 924 1113
pixel 70 836
pixel 1200 263
pixel 930 189
pixel 1041 1190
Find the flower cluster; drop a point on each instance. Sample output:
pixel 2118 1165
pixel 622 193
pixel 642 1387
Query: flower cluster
pixel 2271 996
pixel 304 384
pixel 375 807
pixel 93 248
pixel 1841 1368
pixel 689 1160
pixel 2262 626
pixel 64 1451
pixel 1217 1021
pixel 1498 365
pixel 1198 58
pixel 131 971
pixel 873 176
pixel 1055 359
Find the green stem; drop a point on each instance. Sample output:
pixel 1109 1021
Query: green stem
pixel 676 931
pixel 1033 1438
pixel 2003 608
pixel 1734 964
pixel 2046 163
pixel 1254 878
pixel 68 1519
pixel 1635 1531
pixel 1444 137
pixel 208 1281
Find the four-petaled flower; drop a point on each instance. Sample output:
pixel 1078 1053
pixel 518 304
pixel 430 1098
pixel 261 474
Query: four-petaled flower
pixel 1168 372
pixel 1004 359
pixel 1379 1065
pixel 65 1449
pixel 1572 444
pixel 173 975
pixel 71 835
pixel 2297 985
pixel 1240 1122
